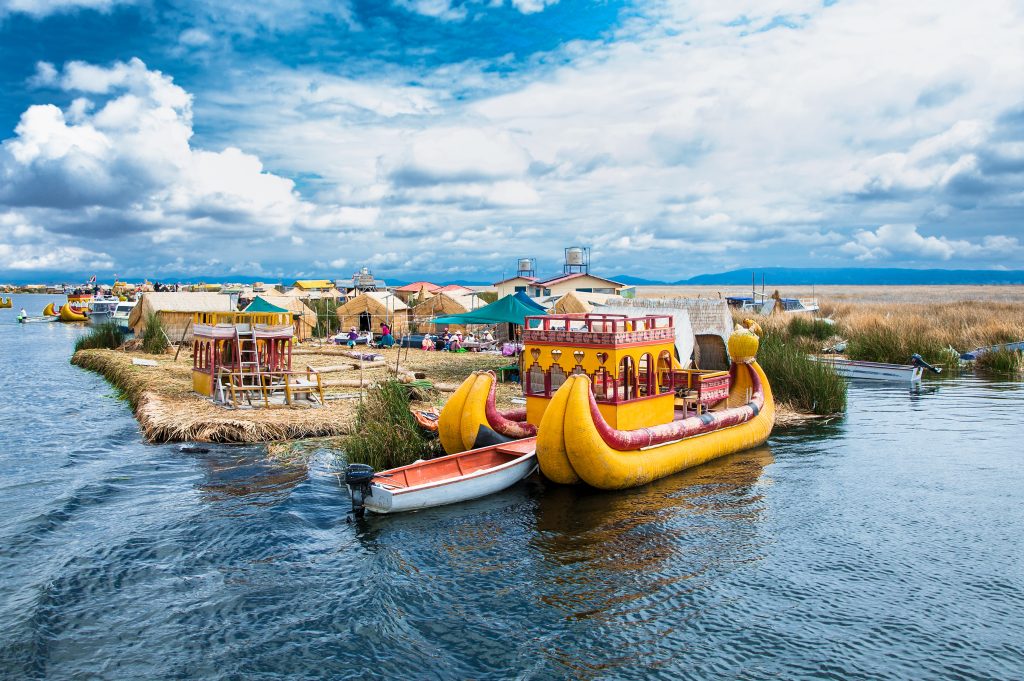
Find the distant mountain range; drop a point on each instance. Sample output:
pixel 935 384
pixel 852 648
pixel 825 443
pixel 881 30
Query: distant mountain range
pixel 855 276
pixel 838 276
pixel 773 276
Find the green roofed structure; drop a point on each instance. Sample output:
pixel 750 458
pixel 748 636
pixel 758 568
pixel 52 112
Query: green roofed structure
pixel 512 309
pixel 260 305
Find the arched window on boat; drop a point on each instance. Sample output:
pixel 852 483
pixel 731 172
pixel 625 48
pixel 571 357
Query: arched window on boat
pixel 665 372
pixel 601 387
pixel 648 384
pixel 557 377
pixel 627 383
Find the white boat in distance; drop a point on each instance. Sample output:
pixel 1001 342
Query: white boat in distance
pixel 444 480
pixel 878 371
pixel 122 312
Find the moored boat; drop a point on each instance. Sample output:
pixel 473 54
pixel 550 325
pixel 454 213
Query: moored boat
pixel 974 354
pixel 441 481
pixel 102 309
pixel 878 371
pixel 471 419
pixel 639 416
pixel 38 320
pixel 50 311
pixel 6 303
pixel 69 314
pixel 122 312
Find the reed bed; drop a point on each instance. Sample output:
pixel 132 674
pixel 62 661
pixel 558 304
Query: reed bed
pixel 386 434
pixel 893 332
pixel 108 335
pixel 795 380
pixel 154 339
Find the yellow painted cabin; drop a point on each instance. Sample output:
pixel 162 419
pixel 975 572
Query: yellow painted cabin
pixel 630 361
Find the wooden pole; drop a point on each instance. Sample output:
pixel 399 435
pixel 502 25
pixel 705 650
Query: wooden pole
pixel 184 333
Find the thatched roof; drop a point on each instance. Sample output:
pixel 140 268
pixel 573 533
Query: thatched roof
pixel 175 310
pixel 577 302
pixel 373 301
pixel 181 301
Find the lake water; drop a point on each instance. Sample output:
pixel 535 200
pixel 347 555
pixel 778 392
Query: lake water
pixel 887 545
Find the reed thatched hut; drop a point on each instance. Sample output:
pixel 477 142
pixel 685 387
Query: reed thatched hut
pixel 369 309
pixel 175 310
pixel 579 302
pixel 442 304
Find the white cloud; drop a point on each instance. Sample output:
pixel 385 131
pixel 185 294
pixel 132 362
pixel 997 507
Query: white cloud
pixel 43 8
pixel 904 241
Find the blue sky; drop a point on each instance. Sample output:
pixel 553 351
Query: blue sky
pixel 444 138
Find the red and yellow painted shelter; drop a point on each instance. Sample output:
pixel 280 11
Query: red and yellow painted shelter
pixel 629 360
pixel 236 345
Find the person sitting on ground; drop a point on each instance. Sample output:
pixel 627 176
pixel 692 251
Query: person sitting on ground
pixel 427 343
pixel 369 339
pixel 470 338
pixel 386 339
pixel 455 342
pixel 353 335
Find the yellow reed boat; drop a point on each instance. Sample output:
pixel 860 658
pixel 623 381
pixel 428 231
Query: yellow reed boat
pixel 612 405
pixel 69 314
pixel 50 311
pixel 6 303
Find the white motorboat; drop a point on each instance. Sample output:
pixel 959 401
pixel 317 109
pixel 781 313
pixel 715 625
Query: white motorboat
pixel 877 371
pixel 102 309
pixel 444 480
pixel 122 311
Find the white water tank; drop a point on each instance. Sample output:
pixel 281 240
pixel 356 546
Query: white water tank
pixel 574 256
pixel 525 264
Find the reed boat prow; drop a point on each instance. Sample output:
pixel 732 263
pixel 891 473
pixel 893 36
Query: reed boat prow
pixel 445 480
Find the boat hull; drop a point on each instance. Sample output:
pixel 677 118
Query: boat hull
pixel 471 414
pixel 571 445
pixel 67 314
pixel 872 371
pixel 385 499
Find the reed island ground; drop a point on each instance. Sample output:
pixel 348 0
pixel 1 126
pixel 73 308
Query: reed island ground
pixel 879 323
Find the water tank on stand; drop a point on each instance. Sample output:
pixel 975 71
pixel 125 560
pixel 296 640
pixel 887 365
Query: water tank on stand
pixel 577 259
pixel 527 267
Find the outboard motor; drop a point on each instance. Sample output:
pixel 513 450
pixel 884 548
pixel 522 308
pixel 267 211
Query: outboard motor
pixel 358 477
pixel 918 361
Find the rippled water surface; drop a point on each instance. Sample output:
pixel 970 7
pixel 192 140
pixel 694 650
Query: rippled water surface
pixel 886 545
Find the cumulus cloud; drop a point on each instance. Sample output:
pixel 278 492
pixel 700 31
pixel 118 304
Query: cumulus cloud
pixel 738 130
pixel 124 147
pixel 904 241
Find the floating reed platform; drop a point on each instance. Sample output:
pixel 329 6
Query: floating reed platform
pixel 168 410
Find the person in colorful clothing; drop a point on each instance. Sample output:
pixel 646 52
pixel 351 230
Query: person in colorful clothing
pixel 353 335
pixel 386 339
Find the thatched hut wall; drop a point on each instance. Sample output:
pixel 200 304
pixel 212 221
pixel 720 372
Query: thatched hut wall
pixel 440 304
pixel 368 310
pixel 175 311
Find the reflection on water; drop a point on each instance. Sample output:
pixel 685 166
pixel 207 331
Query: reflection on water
pixel 883 545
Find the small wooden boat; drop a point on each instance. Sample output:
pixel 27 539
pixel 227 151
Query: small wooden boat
pixel 878 371
pixel 426 418
pixel 38 320
pixel 445 480
pixel 1006 347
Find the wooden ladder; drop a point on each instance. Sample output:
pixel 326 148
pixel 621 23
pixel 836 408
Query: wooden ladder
pixel 248 378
